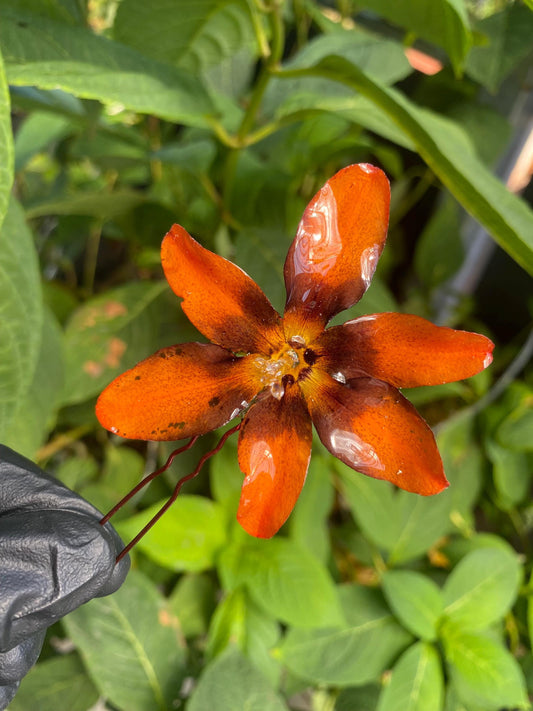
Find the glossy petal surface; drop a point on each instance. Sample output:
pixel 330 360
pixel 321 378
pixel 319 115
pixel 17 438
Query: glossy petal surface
pixel 221 300
pixel 404 350
pixel 334 254
pixel 178 392
pixel 372 428
pixel 274 450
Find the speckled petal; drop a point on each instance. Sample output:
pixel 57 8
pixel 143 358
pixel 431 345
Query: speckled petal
pixel 178 392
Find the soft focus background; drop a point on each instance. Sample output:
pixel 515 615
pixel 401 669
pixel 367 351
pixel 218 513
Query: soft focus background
pixel 226 116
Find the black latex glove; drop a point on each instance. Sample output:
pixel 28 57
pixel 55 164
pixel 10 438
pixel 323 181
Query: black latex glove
pixel 54 556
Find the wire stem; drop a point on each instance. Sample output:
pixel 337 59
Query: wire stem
pixel 177 489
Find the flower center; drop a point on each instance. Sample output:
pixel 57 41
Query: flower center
pixel 284 367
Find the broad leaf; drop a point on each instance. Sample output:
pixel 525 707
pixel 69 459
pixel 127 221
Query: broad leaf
pixel 354 654
pixel 130 644
pixel 417 682
pixel 51 55
pixel 484 672
pixel 56 683
pixel 187 537
pixel 449 153
pixel 232 683
pixel 443 22
pixel 6 144
pixel 404 525
pixel 516 431
pixel 193 601
pixel 30 420
pixel 21 313
pixel 284 579
pixel 416 601
pixel 481 588
pixel 239 621
pixel 508 34
pixel 109 334
pixel 192 34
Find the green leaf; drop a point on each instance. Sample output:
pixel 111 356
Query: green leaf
pixel 516 431
pixel 280 574
pixel 354 654
pixel 415 600
pixel 21 313
pixel 239 621
pixel 193 601
pixel 109 334
pixel 439 251
pixel 105 205
pixel 38 131
pixel 417 682
pixel 443 22
pixel 512 472
pixel 362 698
pixel 130 645
pixel 232 683
pixel 308 522
pixel 482 588
pixel 509 42
pixel 57 683
pixel 449 153
pixel 52 55
pixel 192 34
pixel 187 537
pixel 31 419
pixel 403 524
pixel 71 11
pixel 484 673
pixel 6 144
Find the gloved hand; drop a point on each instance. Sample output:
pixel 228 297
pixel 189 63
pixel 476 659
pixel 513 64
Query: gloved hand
pixel 54 556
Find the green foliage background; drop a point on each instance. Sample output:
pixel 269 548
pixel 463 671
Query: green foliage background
pixel 226 116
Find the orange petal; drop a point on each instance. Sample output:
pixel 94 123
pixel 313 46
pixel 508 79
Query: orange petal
pixel 372 428
pixel 221 300
pixel 334 254
pixel 274 451
pixel 404 350
pixel 178 392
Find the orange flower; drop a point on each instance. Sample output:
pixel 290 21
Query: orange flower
pixel 286 373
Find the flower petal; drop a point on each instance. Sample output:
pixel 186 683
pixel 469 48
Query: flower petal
pixel 372 428
pixel 334 254
pixel 274 451
pixel 178 392
pixel 404 350
pixel 221 300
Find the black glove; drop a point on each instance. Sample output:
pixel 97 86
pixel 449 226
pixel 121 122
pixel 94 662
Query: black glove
pixel 54 556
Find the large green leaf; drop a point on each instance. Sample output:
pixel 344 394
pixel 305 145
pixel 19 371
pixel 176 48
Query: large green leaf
pixel 130 644
pixel 28 425
pixel 415 599
pixel 232 683
pixel 354 654
pixel 6 144
pixel 21 312
pixel 187 537
pixel 52 55
pixel 482 588
pixel 417 682
pixel 192 34
pixel 484 673
pixel 57 683
pixel 107 335
pixel 449 153
pixel 403 524
pixel 508 36
pixel 280 575
pixel 443 22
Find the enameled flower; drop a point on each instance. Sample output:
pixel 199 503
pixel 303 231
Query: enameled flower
pixel 286 373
